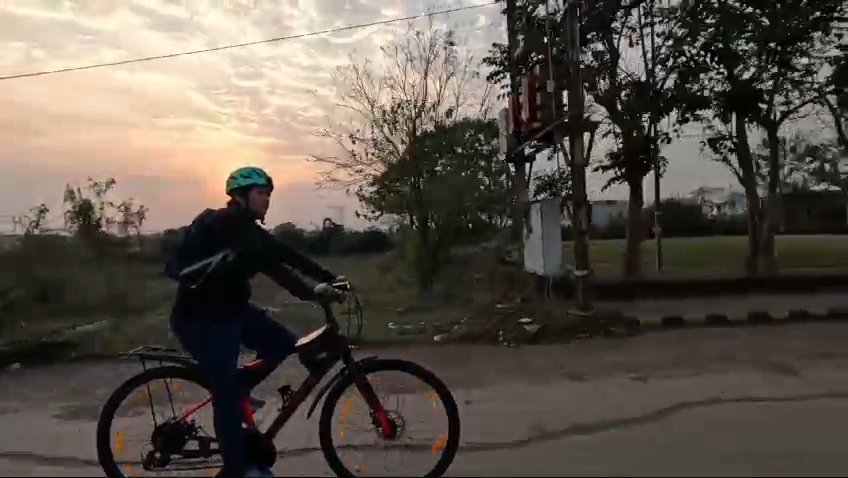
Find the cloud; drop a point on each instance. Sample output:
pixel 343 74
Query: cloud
pixel 170 130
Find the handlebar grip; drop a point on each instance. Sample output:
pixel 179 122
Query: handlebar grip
pixel 323 289
pixel 329 292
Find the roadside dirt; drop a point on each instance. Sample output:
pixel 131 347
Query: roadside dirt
pixel 774 348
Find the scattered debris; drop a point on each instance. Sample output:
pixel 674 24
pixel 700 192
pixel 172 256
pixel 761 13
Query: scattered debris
pixel 532 320
pixel 407 329
pixel 85 328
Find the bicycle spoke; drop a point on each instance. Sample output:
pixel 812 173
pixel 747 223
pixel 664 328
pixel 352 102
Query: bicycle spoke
pixel 358 453
pixel 132 443
pixel 170 397
pixel 150 397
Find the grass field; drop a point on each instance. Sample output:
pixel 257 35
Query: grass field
pixel 720 256
pixel 387 292
pixel 135 299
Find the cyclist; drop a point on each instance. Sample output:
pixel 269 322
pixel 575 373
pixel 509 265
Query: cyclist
pixel 212 317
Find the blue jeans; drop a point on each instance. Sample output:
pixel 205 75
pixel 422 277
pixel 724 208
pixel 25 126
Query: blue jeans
pixel 215 344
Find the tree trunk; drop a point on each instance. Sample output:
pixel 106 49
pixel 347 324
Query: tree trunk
pixel 635 228
pixel 752 261
pixel 768 262
pixel 745 160
pixel 423 260
pixel 839 124
pixel 423 265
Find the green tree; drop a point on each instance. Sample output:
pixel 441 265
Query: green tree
pixel 792 39
pixel 837 103
pixel 170 238
pixel 291 235
pixel 130 218
pixel 681 219
pixel 634 100
pixel 809 165
pixel 90 212
pixel 752 64
pixel 85 210
pixel 369 241
pixel 464 193
pixel 326 240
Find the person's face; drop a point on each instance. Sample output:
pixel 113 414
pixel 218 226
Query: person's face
pixel 258 201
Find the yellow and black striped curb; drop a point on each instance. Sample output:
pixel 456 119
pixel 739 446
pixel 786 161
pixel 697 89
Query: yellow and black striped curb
pixel 751 317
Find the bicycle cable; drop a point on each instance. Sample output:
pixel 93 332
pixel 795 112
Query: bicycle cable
pixel 354 308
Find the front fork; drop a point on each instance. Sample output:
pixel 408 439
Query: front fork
pixel 379 416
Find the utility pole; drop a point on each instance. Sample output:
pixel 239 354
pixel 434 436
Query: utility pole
pixel 576 121
pixel 517 156
pixel 657 198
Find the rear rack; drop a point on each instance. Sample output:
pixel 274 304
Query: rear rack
pixel 160 354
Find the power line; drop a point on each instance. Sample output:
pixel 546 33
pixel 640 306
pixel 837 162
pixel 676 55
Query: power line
pixel 245 44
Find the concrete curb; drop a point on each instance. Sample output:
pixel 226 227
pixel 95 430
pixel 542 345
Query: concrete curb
pixel 751 317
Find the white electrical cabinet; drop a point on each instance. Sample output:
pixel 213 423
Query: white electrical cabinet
pixel 543 244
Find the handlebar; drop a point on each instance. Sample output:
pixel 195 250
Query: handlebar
pixel 338 292
pixel 326 290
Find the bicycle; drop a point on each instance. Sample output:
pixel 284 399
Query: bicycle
pixel 319 352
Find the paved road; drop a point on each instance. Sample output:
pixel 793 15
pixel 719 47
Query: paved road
pixel 754 402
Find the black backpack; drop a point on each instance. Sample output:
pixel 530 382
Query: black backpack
pixel 183 254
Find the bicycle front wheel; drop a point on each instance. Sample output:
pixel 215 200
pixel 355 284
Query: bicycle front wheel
pixel 428 431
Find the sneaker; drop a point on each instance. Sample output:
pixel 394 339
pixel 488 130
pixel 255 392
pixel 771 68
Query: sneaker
pixel 258 473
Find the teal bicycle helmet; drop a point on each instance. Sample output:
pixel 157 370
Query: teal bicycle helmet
pixel 248 176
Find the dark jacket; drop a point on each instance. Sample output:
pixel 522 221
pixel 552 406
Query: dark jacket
pixel 219 288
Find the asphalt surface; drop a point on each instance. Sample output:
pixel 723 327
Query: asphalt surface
pixel 765 401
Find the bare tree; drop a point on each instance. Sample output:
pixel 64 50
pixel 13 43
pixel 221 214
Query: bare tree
pixel 34 220
pixel 425 80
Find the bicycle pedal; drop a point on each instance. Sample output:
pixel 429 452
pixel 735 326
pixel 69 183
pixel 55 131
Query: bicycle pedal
pixel 267 414
pixel 257 403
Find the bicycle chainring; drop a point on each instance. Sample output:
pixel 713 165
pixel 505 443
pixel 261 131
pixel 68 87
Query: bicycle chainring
pixel 170 437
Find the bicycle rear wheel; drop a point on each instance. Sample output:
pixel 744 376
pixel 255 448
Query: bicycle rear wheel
pixel 175 437
pixel 440 444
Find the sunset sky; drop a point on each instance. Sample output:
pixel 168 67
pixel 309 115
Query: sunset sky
pixel 170 130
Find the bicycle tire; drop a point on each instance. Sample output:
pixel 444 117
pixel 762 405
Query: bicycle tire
pixel 325 433
pixel 105 456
